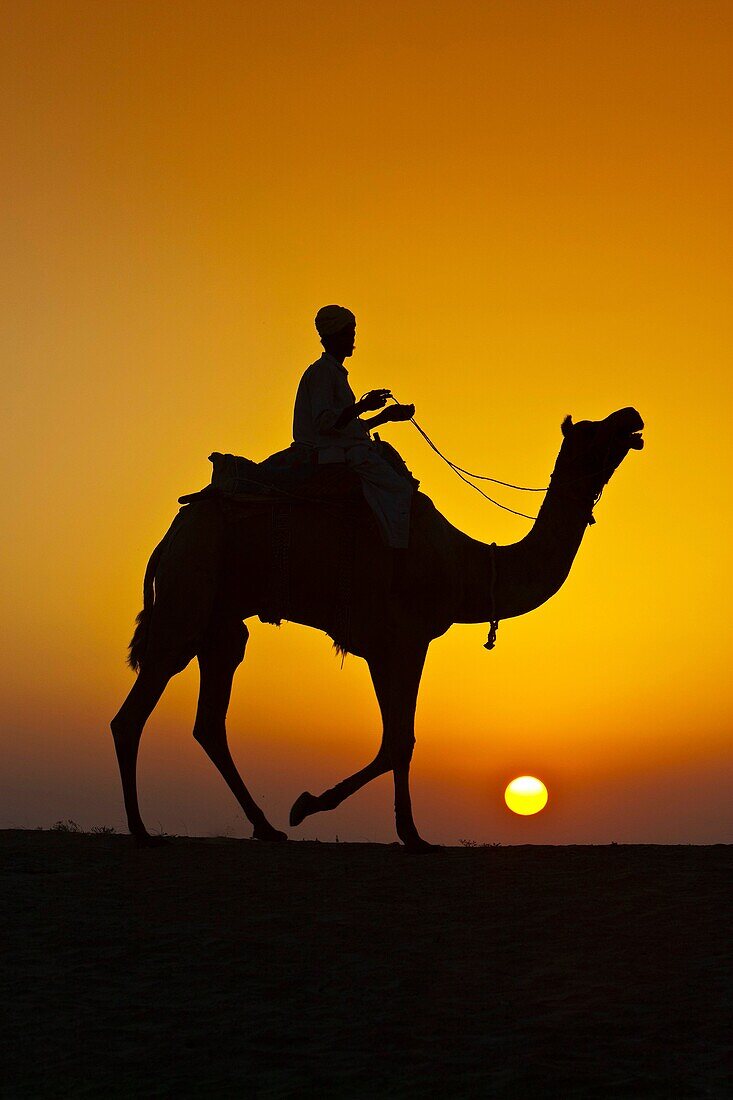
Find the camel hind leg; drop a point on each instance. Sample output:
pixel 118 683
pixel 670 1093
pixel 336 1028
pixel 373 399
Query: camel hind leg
pixel 127 727
pixel 218 660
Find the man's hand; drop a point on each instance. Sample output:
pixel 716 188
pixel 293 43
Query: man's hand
pixel 392 413
pixel 399 412
pixel 375 399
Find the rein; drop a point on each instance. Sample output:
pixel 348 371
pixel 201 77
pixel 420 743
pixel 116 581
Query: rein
pixel 465 475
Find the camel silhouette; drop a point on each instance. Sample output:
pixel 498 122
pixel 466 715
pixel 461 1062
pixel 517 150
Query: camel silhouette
pixel 319 560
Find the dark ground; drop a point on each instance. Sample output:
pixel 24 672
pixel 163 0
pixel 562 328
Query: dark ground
pixel 223 968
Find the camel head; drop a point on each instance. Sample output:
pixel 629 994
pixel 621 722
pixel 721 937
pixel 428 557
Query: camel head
pixel 593 449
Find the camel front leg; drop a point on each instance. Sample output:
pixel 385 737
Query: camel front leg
pixel 404 821
pixel 406 672
pixel 307 803
pixel 218 661
pixel 396 677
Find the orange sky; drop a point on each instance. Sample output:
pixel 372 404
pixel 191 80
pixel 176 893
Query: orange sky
pixel 528 207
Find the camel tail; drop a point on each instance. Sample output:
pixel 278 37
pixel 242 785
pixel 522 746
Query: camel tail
pixel 139 642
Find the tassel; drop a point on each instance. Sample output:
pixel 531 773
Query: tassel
pixel 493 623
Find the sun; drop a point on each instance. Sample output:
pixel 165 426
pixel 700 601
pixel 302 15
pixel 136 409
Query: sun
pixel 526 795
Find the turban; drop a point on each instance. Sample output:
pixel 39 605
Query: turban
pixel 331 319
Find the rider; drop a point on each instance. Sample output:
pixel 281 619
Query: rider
pixel 327 418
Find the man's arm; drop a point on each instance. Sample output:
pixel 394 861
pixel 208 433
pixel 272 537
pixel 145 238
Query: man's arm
pixel 372 400
pixel 327 414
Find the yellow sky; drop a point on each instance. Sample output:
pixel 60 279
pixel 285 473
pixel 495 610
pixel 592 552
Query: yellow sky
pixel 527 206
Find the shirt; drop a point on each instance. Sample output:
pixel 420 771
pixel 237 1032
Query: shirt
pixel 323 394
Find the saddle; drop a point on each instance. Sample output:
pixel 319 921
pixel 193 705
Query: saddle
pixel 288 476
pixel 292 475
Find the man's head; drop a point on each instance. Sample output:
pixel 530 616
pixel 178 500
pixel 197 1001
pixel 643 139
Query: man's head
pixel 336 326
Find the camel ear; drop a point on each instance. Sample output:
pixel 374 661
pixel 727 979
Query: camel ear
pixel 566 426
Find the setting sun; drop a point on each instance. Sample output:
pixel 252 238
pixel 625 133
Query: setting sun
pixel 526 795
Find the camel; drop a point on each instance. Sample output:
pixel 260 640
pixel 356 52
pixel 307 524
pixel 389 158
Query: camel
pixel 318 560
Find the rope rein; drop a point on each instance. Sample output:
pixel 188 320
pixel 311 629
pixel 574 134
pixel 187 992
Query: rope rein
pixel 464 475
pixel 465 478
pixel 478 477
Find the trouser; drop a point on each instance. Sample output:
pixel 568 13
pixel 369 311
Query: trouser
pixel 387 493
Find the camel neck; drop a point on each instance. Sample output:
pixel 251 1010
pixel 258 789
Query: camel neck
pixel 528 572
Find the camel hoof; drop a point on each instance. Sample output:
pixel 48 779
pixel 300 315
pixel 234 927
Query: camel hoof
pixel 303 806
pixel 267 832
pixel 148 841
pixel 421 848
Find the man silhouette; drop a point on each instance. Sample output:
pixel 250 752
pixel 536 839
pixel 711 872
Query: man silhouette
pixel 327 418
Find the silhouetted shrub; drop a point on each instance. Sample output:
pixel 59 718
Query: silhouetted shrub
pixel 67 826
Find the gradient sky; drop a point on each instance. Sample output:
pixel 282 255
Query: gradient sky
pixel 527 205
